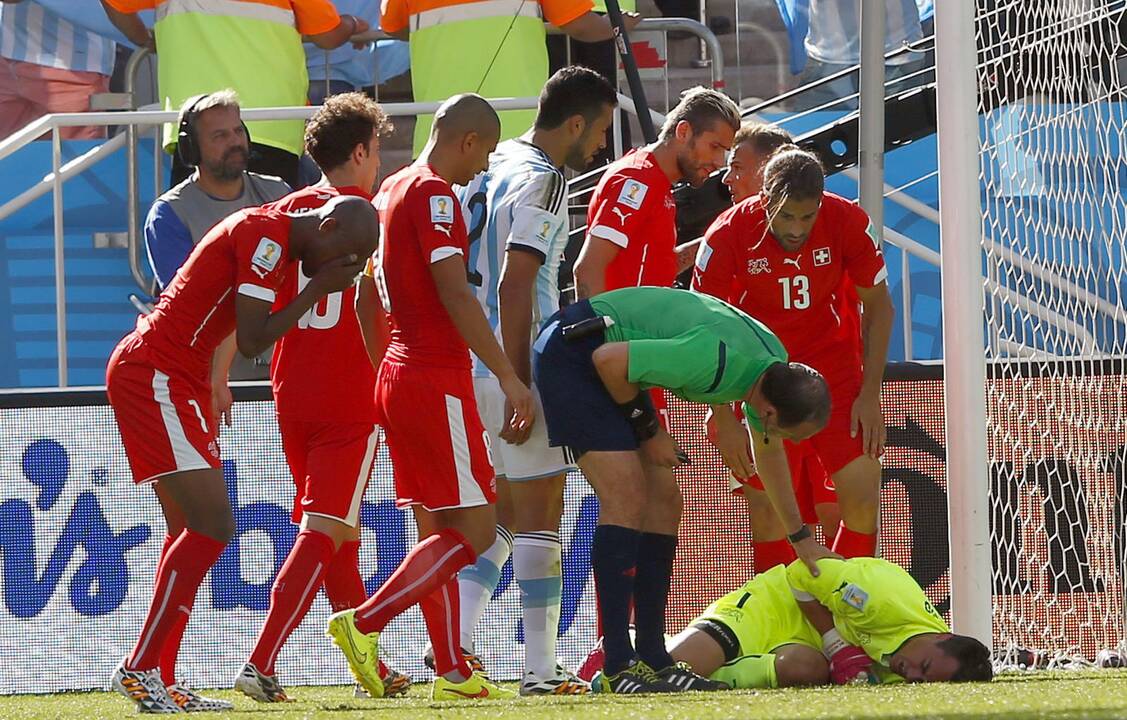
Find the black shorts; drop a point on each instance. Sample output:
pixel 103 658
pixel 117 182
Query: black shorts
pixel 580 413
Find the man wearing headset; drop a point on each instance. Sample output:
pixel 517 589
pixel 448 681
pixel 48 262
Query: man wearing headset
pixel 212 138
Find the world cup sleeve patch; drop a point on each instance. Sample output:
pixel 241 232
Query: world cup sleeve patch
pixel 632 194
pixel 267 254
pixel 703 257
pixel 442 209
pixel 855 597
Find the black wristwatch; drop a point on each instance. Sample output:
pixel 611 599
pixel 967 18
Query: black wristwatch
pixel 799 535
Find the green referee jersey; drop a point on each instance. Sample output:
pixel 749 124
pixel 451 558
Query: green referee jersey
pixel 876 604
pixel 698 347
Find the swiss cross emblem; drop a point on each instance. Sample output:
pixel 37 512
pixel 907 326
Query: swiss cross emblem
pixel 821 256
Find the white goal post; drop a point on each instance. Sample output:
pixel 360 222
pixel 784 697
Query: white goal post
pixel 1032 138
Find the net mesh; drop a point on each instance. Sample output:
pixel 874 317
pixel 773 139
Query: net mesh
pixel 1054 216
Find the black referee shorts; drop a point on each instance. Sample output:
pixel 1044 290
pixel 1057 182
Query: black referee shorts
pixel 580 413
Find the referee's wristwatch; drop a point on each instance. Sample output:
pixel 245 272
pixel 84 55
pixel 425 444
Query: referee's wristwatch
pixel 802 533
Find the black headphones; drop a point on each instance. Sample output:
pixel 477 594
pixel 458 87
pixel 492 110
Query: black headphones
pixel 187 148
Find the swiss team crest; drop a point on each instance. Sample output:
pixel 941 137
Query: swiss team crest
pixel 821 256
pixel 758 265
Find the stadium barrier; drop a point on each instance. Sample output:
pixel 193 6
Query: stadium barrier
pixel 79 542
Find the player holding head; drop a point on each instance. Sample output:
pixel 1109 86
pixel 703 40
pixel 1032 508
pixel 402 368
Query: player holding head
pixel 631 218
pixel 592 383
pixel 792 256
pixel 863 616
pixel 323 394
pixel 425 398
pixel 159 385
pixel 518 209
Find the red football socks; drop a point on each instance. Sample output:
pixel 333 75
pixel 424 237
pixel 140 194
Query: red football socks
pixel 343 584
pixel 430 565
pixel 293 593
pixel 441 613
pixel 768 554
pixel 171 647
pixel 179 576
pixel 851 544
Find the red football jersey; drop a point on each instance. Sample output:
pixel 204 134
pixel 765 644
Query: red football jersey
pixel 420 223
pixel 320 370
pixel 805 297
pixel 633 208
pixel 248 254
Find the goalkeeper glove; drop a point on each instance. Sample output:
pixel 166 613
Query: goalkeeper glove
pixel 848 663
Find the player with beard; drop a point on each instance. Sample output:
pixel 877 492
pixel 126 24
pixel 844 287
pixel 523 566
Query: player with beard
pixel 632 219
pixel 790 256
pixel 517 215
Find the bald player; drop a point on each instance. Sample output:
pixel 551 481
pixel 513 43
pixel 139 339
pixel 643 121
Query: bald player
pixel 425 399
pixel 158 383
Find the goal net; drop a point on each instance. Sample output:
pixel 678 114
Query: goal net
pixel 1054 222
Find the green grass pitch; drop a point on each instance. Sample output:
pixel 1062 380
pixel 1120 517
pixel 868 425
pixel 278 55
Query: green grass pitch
pixel 1055 695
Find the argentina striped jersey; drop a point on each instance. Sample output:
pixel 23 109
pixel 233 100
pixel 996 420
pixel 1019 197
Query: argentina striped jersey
pixel 520 203
pixel 33 34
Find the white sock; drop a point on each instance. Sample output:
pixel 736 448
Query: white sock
pixel 536 566
pixel 477 582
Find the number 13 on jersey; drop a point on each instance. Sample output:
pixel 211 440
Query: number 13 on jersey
pixel 796 292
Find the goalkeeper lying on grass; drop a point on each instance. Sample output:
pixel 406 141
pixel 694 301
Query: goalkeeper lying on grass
pixel 862 619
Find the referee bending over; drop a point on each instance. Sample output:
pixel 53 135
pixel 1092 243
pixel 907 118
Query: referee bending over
pixel 593 361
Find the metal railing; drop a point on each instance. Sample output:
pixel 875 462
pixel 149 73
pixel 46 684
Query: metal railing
pixel 693 27
pixel 54 181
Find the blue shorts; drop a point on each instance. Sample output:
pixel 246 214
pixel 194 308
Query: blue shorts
pixel 578 410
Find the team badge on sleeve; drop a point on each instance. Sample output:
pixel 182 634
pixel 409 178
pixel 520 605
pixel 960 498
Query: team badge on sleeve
pixel 821 256
pixel 267 254
pixel 703 256
pixel 871 231
pixel 442 209
pixel 632 194
pixel 855 597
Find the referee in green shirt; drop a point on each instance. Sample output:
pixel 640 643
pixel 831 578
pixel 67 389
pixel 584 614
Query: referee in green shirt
pixel 593 361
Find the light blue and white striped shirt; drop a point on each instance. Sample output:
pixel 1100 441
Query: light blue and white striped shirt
pixel 519 202
pixel 835 30
pixel 33 34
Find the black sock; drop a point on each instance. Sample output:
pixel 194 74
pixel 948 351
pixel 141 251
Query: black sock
pixel 651 591
pixel 614 554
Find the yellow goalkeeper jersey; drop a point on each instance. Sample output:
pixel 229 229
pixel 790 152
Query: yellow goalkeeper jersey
pixel 876 604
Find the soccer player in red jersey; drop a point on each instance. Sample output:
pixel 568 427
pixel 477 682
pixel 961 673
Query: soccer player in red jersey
pixel 159 384
pixel 753 146
pixel 788 256
pixel 632 219
pixel 323 394
pixel 425 398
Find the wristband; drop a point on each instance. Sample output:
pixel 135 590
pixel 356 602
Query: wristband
pixel 832 641
pixel 642 417
pixel 799 535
